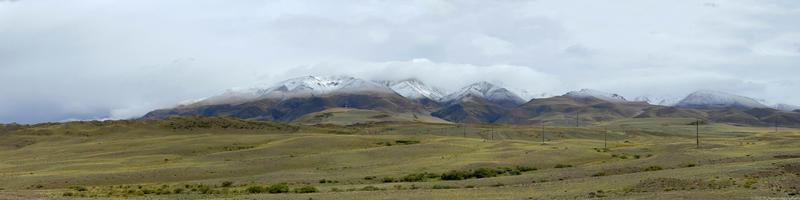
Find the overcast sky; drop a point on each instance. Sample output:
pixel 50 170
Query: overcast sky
pixel 84 59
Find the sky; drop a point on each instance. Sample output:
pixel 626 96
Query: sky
pixel 98 59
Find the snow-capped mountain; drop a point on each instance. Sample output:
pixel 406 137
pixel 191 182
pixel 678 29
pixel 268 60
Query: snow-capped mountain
pixel 584 93
pixel 315 86
pixel 786 107
pixel 657 100
pixel 716 99
pixel 306 86
pixel 414 89
pixel 486 91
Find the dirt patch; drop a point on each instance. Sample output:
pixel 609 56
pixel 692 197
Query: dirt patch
pixel 791 168
pixel 673 184
pixel 787 156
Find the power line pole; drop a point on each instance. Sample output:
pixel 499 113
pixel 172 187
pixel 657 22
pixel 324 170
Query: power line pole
pixel 605 137
pixel 465 130
pixel 577 119
pixel 542 133
pixel 697 133
pixel 491 131
pixel 776 124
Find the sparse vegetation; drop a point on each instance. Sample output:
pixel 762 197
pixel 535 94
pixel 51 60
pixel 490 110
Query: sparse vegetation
pixel 306 189
pixel 278 188
pixel 558 166
pixel 318 150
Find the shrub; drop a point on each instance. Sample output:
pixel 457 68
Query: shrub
pixel 599 174
pixel 485 173
pixel 443 187
pixel 278 188
pixel 526 168
pixel 406 142
pixel 306 189
pixel 67 194
pixel 387 179
pixel 227 183
pixel 455 175
pixel 370 188
pixel 562 166
pixel 177 190
pixel 370 177
pixel 79 188
pixel 653 168
pixel 256 189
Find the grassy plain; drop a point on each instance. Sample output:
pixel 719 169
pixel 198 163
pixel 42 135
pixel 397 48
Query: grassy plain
pixel 220 158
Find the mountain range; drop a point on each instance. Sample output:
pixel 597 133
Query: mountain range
pixel 480 102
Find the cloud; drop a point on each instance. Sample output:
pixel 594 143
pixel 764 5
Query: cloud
pixel 100 59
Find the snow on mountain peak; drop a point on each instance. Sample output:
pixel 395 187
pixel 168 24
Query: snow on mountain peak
pixel 485 90
pixel 414 89
pixel 657 100
pixel 717 99
pixel 314 85
pixel 583 93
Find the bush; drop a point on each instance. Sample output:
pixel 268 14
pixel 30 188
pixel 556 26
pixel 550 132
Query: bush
pixel 387 179
pixel 653 168
pixel 455 175
pixel 406 142
pixel 370 188
pixel 437 187
pixel 562 166
pixel 177 190
pixel 79 188
pixel 306 189
pixel 526 168
pixel 227 183
pixel 256 189
pixel 67 194
pixel 599 174
pixel 278 188
pixel 485 173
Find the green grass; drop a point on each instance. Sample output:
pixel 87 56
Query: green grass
pixel 188 158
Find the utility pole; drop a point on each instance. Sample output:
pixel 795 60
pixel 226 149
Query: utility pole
pixel 605 137
pixel 542 133
pixel 776 124
pixel 491 130
pixel 697 133
pixel 465 130
pixel 577 119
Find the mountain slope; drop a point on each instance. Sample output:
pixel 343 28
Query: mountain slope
pixel 586 93
pixel 716 99
pixel 414 89
pixel 296 97
pixel 487 91
pixel 563 110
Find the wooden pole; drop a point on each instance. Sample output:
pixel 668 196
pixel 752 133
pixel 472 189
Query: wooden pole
pixel 605 137
pixel 491 130
pixel 543 133
pixel 697 133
